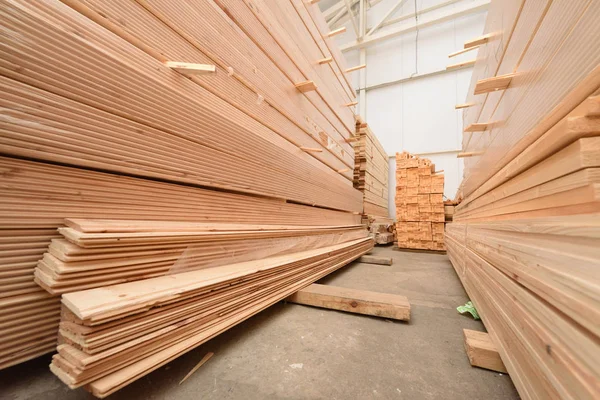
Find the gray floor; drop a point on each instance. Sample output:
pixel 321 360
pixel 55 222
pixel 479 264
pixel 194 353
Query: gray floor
pixel 297 352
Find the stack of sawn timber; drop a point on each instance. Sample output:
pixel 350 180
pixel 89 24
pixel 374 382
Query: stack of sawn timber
pixel 526 237
pixel 419 204
pixel 371 171
pixel 95 124
pixel 115 334
pixel 95 253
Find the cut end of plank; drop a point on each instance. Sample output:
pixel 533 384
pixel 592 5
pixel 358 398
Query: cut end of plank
pixel 469 154
pixel 464 105
pixel 464 64
pixel 482 351
pixel 383 305
pixel 326 60
pixel 356 68
pixel 307 86
pixel 336 32
pixel 493 84
pixel 191 68
pixel 311 149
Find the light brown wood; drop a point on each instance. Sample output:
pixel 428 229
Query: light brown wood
pixel 495 83
pixel 482 352
pixel 311 149
pixel 464 105
pixel 456 53
pixel 356 301
pixel 480 127
pixel 356 68
pixel 203 361
pixel 469 154
pixel 191 68
pixel 462 64
pixel 325 60
pixel 483 39
pixel 307 86
pixel 376 260
pixel 336 32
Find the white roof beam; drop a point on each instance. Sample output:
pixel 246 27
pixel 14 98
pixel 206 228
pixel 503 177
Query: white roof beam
pixel 467 9
pixel 391 11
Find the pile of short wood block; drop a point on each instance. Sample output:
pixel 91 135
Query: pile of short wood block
pixel 419 204
pixel 371 172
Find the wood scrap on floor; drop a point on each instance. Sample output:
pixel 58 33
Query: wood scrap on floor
pixel 482 351
pixel 376 260
pixel 352 300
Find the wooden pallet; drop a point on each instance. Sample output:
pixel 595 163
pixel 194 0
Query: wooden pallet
pixel 419 204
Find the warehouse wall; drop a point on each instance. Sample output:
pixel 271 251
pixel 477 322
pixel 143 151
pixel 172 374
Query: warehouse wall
pixel 417 114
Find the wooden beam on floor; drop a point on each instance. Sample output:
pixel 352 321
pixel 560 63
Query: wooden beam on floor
pixel 482 351
pixel 357 301
pixel 376 260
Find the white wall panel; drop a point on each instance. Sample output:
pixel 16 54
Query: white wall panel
pixel 417 115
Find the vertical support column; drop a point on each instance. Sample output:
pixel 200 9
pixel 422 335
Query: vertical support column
pixel 362 79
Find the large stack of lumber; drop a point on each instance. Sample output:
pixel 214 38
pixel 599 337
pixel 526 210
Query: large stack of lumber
pixel 371 171
pixel 96 253
pixel 115 334
pixel 526 237
pixel 419 204
pixel 136 110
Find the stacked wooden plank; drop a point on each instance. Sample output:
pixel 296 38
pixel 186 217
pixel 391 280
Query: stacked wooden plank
pixel 110 111
pixel 526 235
pixel 383 231
pixel 117 334
pixel 371 170
pixel 419 204
pixel 96 253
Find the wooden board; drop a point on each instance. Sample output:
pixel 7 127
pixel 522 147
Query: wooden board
pixel 482 352
pixel 356 301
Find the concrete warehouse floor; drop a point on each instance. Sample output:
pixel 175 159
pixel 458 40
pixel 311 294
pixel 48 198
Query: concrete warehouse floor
pixel 297 352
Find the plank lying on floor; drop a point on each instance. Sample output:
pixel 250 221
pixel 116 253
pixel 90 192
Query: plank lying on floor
pixel 376 260
pixel 352 300
pixel 482 351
